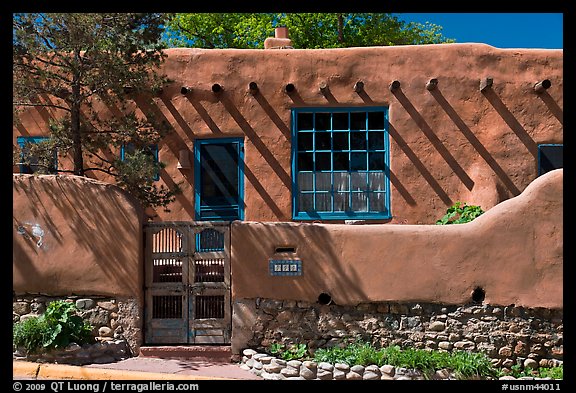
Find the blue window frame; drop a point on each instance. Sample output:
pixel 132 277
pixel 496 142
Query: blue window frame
pixel 23 142
pixel 219 179
pixel 340 163
pixel 150 149
pixel 550 157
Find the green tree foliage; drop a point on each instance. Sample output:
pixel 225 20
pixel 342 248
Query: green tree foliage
pixel 71 62
pixel 306 30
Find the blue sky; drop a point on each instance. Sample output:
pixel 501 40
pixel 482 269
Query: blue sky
pixel 502 30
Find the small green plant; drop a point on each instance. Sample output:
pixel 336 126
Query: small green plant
pixel 460 213
pixel 292 352
pixel 56 328
pixel 517 371
pixel 464 364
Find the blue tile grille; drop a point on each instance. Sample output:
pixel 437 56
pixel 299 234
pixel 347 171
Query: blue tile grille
pixel 285 267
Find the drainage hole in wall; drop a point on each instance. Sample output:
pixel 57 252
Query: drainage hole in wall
pixel 324 299
pixel 478 295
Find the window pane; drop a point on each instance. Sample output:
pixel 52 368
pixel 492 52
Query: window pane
pixel 305 141
pixel 357 161
pixel 376 161
pixel 322 121
pixel 306 202
pixel 323 202
pixel 358 120
pixel 375 120
pixel 377 201
pixel 306 161
pixel 341 180
pixel 340 161
pixel 323 181
pixel 219 174
pixel 305 121
pixel 376 140
pixel 305 181
pixel 359 202
pixel 376 181
pixel 358 181
pixel 323 161
pixel 341 201
pixel 323 141
pixel 358 140
pixel 339 121
pixel 340 140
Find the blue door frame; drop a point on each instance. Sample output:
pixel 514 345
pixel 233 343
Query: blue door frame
pixel 219 179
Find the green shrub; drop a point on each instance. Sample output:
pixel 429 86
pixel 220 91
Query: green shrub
pixel 56 328
pixel 460 213
pixel 292 352
pixel 31 334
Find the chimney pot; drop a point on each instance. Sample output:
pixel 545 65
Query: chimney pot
pixel 281 32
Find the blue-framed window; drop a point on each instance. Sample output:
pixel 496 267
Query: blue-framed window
pixel 340 163
pixel 33 166
pixel 152 150
pixel 550 157
pixel 219 179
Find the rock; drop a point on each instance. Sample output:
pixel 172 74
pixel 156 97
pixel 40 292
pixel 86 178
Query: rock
pixel 84 304
pixel 105 331
pixel 289 372
pixel 307 373
pixel 249 353
pixel 324 374
pixel 338 374
pixel 21 308
pixel 351 375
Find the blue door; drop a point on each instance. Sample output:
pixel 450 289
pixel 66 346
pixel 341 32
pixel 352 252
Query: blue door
pixel 219 179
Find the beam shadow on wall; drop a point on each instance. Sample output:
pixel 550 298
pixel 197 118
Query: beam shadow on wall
pixel 509 118
pixel 401 189
pixel 419 165
pixel 284 129
pixel 264 194
pixel 436 142
pixel 453 115
pixel 552 106
pixel 256 141
pixel 176 115
pixel 149 107
pixel 194 98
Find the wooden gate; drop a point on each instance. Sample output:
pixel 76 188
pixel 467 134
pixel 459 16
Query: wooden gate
pixel 187 267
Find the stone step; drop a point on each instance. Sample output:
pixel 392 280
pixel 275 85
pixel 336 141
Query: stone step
pixel 220 353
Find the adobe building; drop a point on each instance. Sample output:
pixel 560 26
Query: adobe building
pixel 378 134
pixel 276 152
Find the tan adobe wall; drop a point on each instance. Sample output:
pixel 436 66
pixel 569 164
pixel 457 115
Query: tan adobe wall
pixel 451 144
pixel 513 252
pixel 73 235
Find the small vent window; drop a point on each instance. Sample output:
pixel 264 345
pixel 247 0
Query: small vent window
pixel 550 157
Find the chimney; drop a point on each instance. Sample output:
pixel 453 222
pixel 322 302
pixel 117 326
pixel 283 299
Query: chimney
pixel 280 39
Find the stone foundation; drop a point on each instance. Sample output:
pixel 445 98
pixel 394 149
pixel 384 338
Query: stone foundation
pixel 508 335
pixel 116 327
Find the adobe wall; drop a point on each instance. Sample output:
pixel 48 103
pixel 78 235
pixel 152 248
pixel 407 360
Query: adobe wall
pixel 493 285
pixel 513 252
pixel 451 144
pixel 73 235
